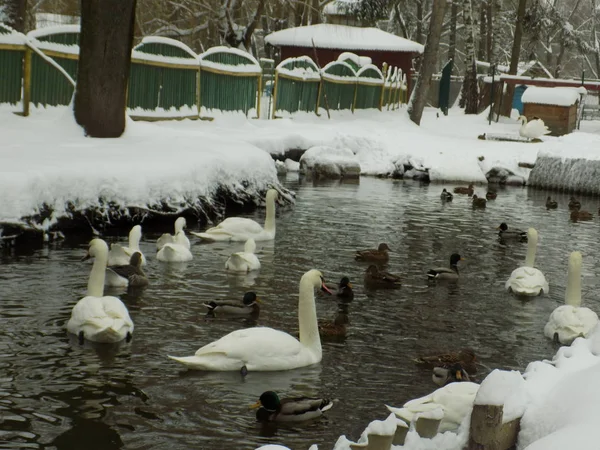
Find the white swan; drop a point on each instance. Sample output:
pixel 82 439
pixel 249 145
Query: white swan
pixel 454 399
pixel 242 229
pixel 95 317
pixel 266 349
pixel 174 248
pixel 245 261
pixel 120 256
pixel 527 280
pixel 570 320
pixel 533 129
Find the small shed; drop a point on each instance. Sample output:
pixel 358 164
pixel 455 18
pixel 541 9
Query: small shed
pixel 556 106
pixel 329 41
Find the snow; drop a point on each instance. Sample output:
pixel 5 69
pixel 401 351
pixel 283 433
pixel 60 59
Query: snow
pixel 45 20
pixel 505 388
pixel 166 41
pixel 358 60
pixel 303 73
pixel 139 56
pixel 58 29
pixel 14 37
pixel 338 7
pixel 560 96
pixel 369 80
pixel 234 51
pixel 342 37
pixel 330 162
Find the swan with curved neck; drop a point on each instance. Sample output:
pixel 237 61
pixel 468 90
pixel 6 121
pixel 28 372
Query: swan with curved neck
pixel 533 129
pixel 120 256
pixel 96 317
pixel 176 247
pixel 267 349
pixel 571 320
pixel 527 280
pixel 245 261
pixel 242 229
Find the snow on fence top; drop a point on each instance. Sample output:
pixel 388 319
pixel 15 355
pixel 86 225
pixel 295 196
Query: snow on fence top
pixel 358 61
pixel 45 34
pixel 61 38
pixel 302 68
pixel 326 35
pixel 558 96
pixel 339 71
pixel 370 74
pixel 10 36
pixel 226 59
pixel 152 44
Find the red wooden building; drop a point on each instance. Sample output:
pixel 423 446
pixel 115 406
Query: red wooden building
pixel 330 40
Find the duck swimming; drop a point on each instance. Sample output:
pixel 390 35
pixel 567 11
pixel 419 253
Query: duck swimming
pixel 273 409
pixel 130 275
pixel 446 196
pixel 248 306
pixel 551 204
pixel 465 190
pixel 465 357
pixel 375 278
pixel 446 273
pixel 380 254
pixel 511 234
pixel 344 291
pixel 454 374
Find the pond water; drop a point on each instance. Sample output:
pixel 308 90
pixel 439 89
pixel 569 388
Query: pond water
pixel 55 393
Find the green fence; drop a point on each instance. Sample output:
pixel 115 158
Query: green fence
pixel 297 85
pixel 338 87
pixel 230 80
pixel 12 52
pixel 164 75
pixel 369 88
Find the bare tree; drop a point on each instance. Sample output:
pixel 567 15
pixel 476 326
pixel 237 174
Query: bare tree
pixel 469 98
pixel 514 59
pixel 428 63
pixel 452 36
pixel 104 60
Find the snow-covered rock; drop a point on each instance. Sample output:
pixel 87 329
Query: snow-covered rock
pixel 330 162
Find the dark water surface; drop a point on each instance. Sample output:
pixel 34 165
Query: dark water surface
pixel 55 393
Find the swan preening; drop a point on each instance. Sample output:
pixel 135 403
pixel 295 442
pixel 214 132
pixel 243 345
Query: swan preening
pixel 95 317
pixel 534 129
pixel 527 280
pixel 571 320
pixel 245 261
pixel 242 229
pixel 267 349
pixel 119 255
pixel 175 247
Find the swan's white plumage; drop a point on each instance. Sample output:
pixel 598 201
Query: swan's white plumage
pixel 527 280
pixel 533 129
pixel 245 261
pixel 571 320
pixel 100 318
pixel 113 279
pixel 266 349
pixel 242 229
pixel 120 256
pixel 455 400
pixel 175 247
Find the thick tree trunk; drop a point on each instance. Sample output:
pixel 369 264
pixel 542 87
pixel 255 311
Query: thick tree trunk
pixel 452 36
pixel 483 31
pixel 494 25
pixel 104 60
pixel 514 58
pixel 428 64
pixel 16 12
pixel 420 21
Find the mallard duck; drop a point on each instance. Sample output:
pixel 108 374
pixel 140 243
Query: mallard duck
pixel 242 229
pixel 465 357
pixel 345 291
pixel 479 202
pixel 513 234
pixel 551 204
pixel 465 190
pixel 446 273
pixel 578 214
pixel 375 278
pixel 574 203
pixel 446 196
pixel 491 195
pixel 527 280
pixel 130 275
pixel 446 375
pixel 249 306
pixel 273 409
pixel 380 255
pixel 571 320
pixel 534 129
pixel 334 328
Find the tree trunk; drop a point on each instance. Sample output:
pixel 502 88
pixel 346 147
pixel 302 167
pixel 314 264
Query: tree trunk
pixel 452 36
pixel 104 60
pixel 483 30
pixel 420 21
pixel 16 12
pixel 469 93
pixel 596 44
pixel 514 58
pixel 428 64
pixel 494 26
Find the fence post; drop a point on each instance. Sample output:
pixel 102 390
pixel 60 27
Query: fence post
pixel 198 90
pixel 355 95
pixel 258 95
pixel 319 96
pixel 26 81
pixel 487 432
pixel 274 94
pixel 384 67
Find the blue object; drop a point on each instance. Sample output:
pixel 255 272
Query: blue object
pixel 517 102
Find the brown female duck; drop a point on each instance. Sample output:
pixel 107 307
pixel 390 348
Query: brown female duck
pixel 491 195
pixel 454 374
pixel 551 204
pixel 479 202
pixel 574 203
pixel 334 328
pixel 130 275
pixel 465 357
pixel 578 214
pixel 465 190
pixel 446 196
pixel 375 278
pixel 379 255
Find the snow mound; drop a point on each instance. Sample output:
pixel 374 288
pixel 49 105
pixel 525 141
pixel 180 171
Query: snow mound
pixel 330 162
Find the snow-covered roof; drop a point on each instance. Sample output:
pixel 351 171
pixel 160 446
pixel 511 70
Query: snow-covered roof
pixel 344 37
pixel 558 96
pixel 338 7
pixel 522 67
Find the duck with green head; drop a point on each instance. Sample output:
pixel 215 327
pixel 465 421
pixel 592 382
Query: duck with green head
pixel 273 409
pixel 446 273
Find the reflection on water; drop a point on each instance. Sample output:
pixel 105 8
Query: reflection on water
pixel 55 393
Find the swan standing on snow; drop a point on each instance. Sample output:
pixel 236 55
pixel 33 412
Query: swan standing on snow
pixel 242 229
pixel 267 349
pixel 119 255
pixel 174 248
pixel 527 280
pixel 534 129
pixel 245 261
pixel 571 321
pixel 95 317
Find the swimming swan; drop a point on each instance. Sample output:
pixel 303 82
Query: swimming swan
pixel 527 280
pixel 242 229
pixel 174 248
pixel 245 261
pixel 570 321
pixel 95 317
pixel 119 255
pixel 267 349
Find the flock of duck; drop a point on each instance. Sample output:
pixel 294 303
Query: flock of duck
pixel 105 319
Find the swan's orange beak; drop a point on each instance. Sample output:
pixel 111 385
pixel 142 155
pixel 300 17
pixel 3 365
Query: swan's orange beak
pixel 324 288
pixel 256 405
